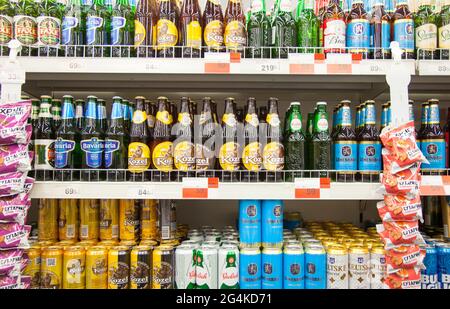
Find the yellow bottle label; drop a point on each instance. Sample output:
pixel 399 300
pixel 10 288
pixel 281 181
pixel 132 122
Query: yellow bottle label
pixel 204 157
pixel 235 36
pixel 252 119
pixel 184 119
pixel 273 156
pixel 229 156
pixel 229 120
pixel 138 157
pixel 194 35
pixel 139 33
pixel 273 120
pixel 151 121
pixel 184 156
pixel 251 156
pixel 165 117
pixel 444 36
pixel 213 34
pixel 139 116
pixel 163 156
pixel 167 33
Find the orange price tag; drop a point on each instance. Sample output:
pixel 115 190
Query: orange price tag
pixel 295 68
pixel 325 183
pixel 213 183
pixel 446 180
pixel 195 192
pixel 307 193
pixel 217 68
pixel 432 190
pixel 235 57
pixel 339 68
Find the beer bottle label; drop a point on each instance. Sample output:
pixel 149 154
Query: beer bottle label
pixel 184 156
pixel 295 124
pixel 434 151
pixel 369 156
pixel 62 151
pixel 345 154
pixel 334 33
pixel 117 23
pixel 44 154
pixel 184 119
pixel 252 119
pixel 322 124
pixel 235 36
pixel 111 146
pixel 229 156
pixel 194 35
pixel 426 36
pixel 164 116
pixel 139 116
pixel 273 120
pixel 163 156
pixel 273 156
pixel 167 33
pixel 229 120
pixel 358 33
pixel 6 29
pixel 67 28
pixel 213 34
pixel 251 156
pixel 92 25
pixel 139 33
pixel 162 273
pixel 404 34
pixel 203 157
pixel 25 29
pixel 385 34
pixel 49 30
pixel 93 152
pixel 444 36
pixel 138 157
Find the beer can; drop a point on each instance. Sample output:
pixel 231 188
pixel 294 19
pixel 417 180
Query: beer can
pixel 292 220
pixel 149 219
pixel 129 219
pixel 228 261
pixel 211 243
pixel 148 242
pixel 250 223
pixel 141 267
pixel 185 261
pixel 272 268
pixel 109 219
pixel 165 216
pixel 272 223
pixel 292 242
pixel 429 275
pixel 250 268
pixel 315 264
pixel 51 268
pixel 108 243
pixel 378 268
pixel 118 267
pixel 443 255
pixel 97 267
pixel 163 276
pixel 170 242
pixel 68 219
pixel 48 219
pixel 89 219
pixel 359 267
pixel 74 263
pixel 212 237
pixel 293 267
pixel 337 267
pixel 33 268
pixel 207 267
pixel 86 243
pixel 45 243
pixel 65 244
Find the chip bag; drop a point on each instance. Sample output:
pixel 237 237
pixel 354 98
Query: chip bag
pixel 404 256
pixel 404 278
pixel 399 233
pixel 14 208
pixel 405 182
pixel 14 235
pixel 16 135
pixel 8 282
pixel 11 261
pixel 15 158
pixel 12 183
pixel 400 208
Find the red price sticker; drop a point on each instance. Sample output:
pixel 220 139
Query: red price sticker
pixel 307 193
pixel 195 188
pixel 217 68
pixel 308 188
pixel 195 193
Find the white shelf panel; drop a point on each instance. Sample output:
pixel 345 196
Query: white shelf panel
pixel 433 67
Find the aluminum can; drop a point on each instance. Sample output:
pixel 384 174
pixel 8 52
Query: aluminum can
pixel 315 267
pixel 68 219
pixel 337 267
pixel 141 267
pixel 51 268
pixel 359 267
pixel 74 265
pixel 97 267
pixel 163 267
pixel 119 268
pixel 250 223
pixel 250 268
pixel 272 223
pixel 129 219
pixel 33 268
pixel 443 253
pixel 48 220
pixel 89 219
pixel 378 267
pixel 109 219
pixel 228 271
pixel 272 268
pixel 185 261
pixel 207 267
pixel 293 267
pixel 149 219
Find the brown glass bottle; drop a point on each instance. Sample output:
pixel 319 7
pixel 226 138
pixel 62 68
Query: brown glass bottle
pixel 173 111
pixel 235 36
pixel 380 24
pixel 273 150
pixel 358 29
pixel 151 118
pixel 145 25
pixel 162 146
pixel 167 29
pixel 205 159
pixel 214 111
pixel 251 154
pixel 403 29
pixel 138 149
pixel 332 28
pixel 191 29
pixel 183 145
pixel 213 34
pixel 229 153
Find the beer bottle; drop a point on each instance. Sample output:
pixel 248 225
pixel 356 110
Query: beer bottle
pixel 34 112
pixel 151 118
pixel 122 29
pixel 193 108
pixel 283 30
pixel 332 29
pixel 167 29
pixel 49 27
pixel 214 28
pixel 191 29
pixel 411 116
pixel 145 28
pixel 426 31
pixel 162 147
pixel 229 158
pixel 335 129
pixel 308 140
pixel 67 144
pixel 252 152
pixel 205 158
pixel 79 114
pixel 307 28
pixel 139 157
pixel 44 141
pixel 444 30
pixel 390 9
pixel 424 122
pixel 73 29
pixel 56 113
pixel 357 120
pixel 25 26
pixel 273 150
pixel 235 35
pixel 133 6
pixel 92 143
pixel 358 29
pixel 258 31
pixel 433 142
pixel 299 8
pixel 127 115
pixel 116 144
pixel 214 111
pixel 6 31
pixel 101 115
pixel 404 29
pixel 184 149
pixel 320 142
pixel 173 111
pixel 96 30
pixel 380 25
pixel 384 115
pixel 294 142
pixel 286 121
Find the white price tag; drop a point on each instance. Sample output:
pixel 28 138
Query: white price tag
pixel 72 191
pixel 301 58
pixel 217 57
pixel 74 65
pixel 268 68
pixel 434 67
pixel 192 182
pixel 142 192
pixel 307 183
pixel 339 59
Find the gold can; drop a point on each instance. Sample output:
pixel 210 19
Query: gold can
pixel 328 243
pixel 108 243
pixel 86 243
pixel 148 242
pixel 128 243
pixel 89 219
pixel 74 262
pixel 170 242
pixel 119 267
pixel 65 244
pixel 163 275
pixel 97 267
pixel 149 219
pixel 45 243
pixel 68 219
pixel 33 268
pixel 129 219
pixel 109 219
pixel 48 219
pixel 51 268
pixel 141 267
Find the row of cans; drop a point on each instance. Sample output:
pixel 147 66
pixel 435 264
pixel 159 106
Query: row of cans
pixel 436 274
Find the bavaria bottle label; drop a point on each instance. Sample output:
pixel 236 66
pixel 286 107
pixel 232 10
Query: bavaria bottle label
pixel 251 157
pixel 184 156
pixel 167 33
pixel 44 154
pixel 138 157
pixel 369 156
pixel 111 146
pixel 273 156
pixel 25 29
pixel 93 149
pixel 163 156
pixel 358 32
pixel 194 35
pixel 213 34
pixel 345 154
pixel 334 34
pixel 426 36
pixel 49 32
pixel 63 148
pixel 6 29
pixel 444 36
pixel 229 156
pixel 235 36
pixel 92 25
pixel 434 151
pixel 404 34
pixel 117 23
pixel 69 23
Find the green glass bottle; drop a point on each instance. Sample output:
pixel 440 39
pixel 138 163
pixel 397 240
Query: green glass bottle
pixel 79 113
pixel 299 9
pixel 97 31
pixel 101 115
pixel 320 152
pixel 258 31
pixel 25 26
pixel 73 30
pixel 56 113
pixel 426 31
pixel 6 22
pixel 122 29
pixel 308 28
pixel 294 142
pixel 283 32
pixel 308 139
pixel 444 30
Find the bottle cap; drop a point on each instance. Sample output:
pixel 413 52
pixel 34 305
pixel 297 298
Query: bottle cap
pixel 321 103
pixel 67 96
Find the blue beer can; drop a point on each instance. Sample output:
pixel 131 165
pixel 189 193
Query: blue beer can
pixel 293 267
pixel 315 267
pixel 250 223
pixel 272 223
pixel 250 268
pixel 443 257
pixel 429 276
pixel 272 268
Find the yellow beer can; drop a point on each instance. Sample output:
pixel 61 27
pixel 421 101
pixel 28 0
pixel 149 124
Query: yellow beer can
pixel 33 268
pixel 129 219
pixel 149 219
pixel 97 267
pixel 86 243
pixel 68 219
pixel 108 243
pixel 74 263
pixel 89 219
pixel 119 267
pixel 51 268
pixel 48 219
pixel 141 267
pixel 128 243
pixel 109 219
pixel 65 244
pixel 163 275
pixel 148 242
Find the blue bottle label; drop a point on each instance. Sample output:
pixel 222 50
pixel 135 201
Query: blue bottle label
pixel 93 149
pixel 69 22
pixel 358 33
pixel 404 34
pixel 369 158
pixel 117 23
pixel 433 114
pixel 110 147
pixel 92 24
pixel 434 151
pixel 345 154
pixel 62 149
pixel 117 111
